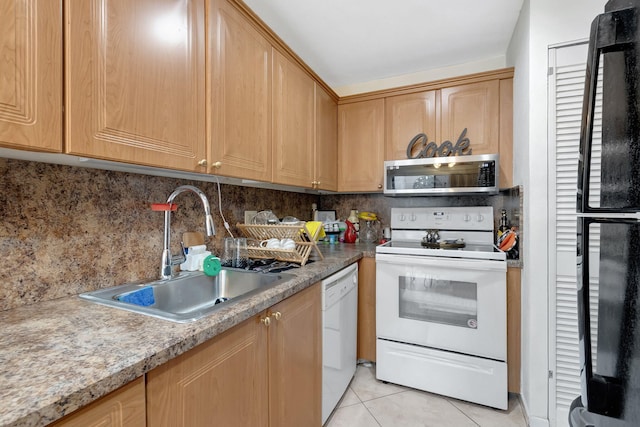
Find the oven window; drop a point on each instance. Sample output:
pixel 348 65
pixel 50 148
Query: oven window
pixel 430 299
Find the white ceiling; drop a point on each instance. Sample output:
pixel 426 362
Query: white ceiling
pixel 350 42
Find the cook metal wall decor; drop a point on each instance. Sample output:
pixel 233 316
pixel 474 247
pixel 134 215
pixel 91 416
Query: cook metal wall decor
pixel 431 149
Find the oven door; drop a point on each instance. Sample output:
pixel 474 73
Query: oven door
pixel 445 303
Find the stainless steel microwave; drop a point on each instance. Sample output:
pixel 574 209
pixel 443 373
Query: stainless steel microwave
pixel 442 176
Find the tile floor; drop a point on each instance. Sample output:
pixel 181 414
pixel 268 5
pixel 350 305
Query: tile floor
pixel 371 403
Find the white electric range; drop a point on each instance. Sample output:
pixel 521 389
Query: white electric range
pixel 441 304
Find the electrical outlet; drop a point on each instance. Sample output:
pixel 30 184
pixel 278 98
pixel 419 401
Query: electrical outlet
pixel 248 216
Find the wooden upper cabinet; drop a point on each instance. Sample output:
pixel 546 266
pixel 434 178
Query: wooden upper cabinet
pixel 326 152
pixel 135 81
pixel 476 107
pixel 506 133
pixel 361 146
pixel 405 117
pixel 240 95
pixel 31 74
pixel 293 123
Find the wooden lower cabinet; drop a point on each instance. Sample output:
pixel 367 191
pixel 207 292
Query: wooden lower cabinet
pixel 367 309
pixel 221 382
pixel 295 360
pixel 259 373
pixel 122 408
pixel 513 329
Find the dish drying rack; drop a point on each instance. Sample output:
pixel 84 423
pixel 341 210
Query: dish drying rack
pixel 305 241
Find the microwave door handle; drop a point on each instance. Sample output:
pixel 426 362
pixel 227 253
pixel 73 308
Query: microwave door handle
pixel 610 32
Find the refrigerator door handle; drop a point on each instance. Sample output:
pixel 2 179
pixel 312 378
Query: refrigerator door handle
pixel 610 32
pixel 600 394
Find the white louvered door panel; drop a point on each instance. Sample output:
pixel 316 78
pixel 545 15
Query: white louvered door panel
pixel 566 89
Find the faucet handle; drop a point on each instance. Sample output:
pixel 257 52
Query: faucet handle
pixel 163 207
pixel 179 259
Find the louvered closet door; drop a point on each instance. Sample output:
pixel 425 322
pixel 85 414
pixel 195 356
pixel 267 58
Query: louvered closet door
pixel 566 86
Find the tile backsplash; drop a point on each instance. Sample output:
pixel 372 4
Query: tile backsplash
pixel 508 199
pixel 67 230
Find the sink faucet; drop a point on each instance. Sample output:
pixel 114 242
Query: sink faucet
pixel 168 261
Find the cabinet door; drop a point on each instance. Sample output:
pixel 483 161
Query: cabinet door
pixel 240 96
pixel 367 309
pixel 135 81
pixel 326 152
pixel 506 133
pixel 475 107
pixel 361 146
pixel 121 408
pixel 293 123
pixel 31 74
pixel 295 360
pixel 405 117
pixel 222 382
pixel 513 329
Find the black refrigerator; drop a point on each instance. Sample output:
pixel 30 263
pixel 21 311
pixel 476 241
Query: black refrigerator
pixel 608 228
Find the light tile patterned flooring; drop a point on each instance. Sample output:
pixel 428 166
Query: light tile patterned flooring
pixel 372 403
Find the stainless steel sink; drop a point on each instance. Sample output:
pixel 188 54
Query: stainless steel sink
pixel 187 297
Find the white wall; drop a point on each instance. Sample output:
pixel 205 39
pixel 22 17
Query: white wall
pixel 487 64
pixel 542 23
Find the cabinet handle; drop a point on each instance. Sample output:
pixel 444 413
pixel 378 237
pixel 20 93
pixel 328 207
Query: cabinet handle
pixel 202 162
pixel 277 315
pixel 217 165
pixel 266 321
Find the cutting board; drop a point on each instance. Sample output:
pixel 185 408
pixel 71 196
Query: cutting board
pixel 192 238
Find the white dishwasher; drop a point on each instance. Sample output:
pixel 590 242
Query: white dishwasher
pixel 339 334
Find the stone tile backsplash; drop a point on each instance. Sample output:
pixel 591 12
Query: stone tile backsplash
pixel 508 199
pixel 67 230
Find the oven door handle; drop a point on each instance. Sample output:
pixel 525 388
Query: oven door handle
pixel 442 262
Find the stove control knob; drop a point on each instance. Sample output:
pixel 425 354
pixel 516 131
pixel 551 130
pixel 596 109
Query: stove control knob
pixel 467 218
pixel 402 217
pixel 413 217
pixel 480 218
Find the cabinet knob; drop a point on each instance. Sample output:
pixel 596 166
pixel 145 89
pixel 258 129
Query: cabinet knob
pixel 379 185
pixel 217 165
pixel 266 321
pixel 202 162
pixel 277 315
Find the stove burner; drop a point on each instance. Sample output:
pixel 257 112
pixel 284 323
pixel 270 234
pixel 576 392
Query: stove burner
pixel 271 265
pixel 444 245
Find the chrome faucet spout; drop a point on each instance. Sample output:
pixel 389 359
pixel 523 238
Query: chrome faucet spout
pixel 168 260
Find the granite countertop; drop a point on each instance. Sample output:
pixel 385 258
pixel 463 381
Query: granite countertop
pixel 59 355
